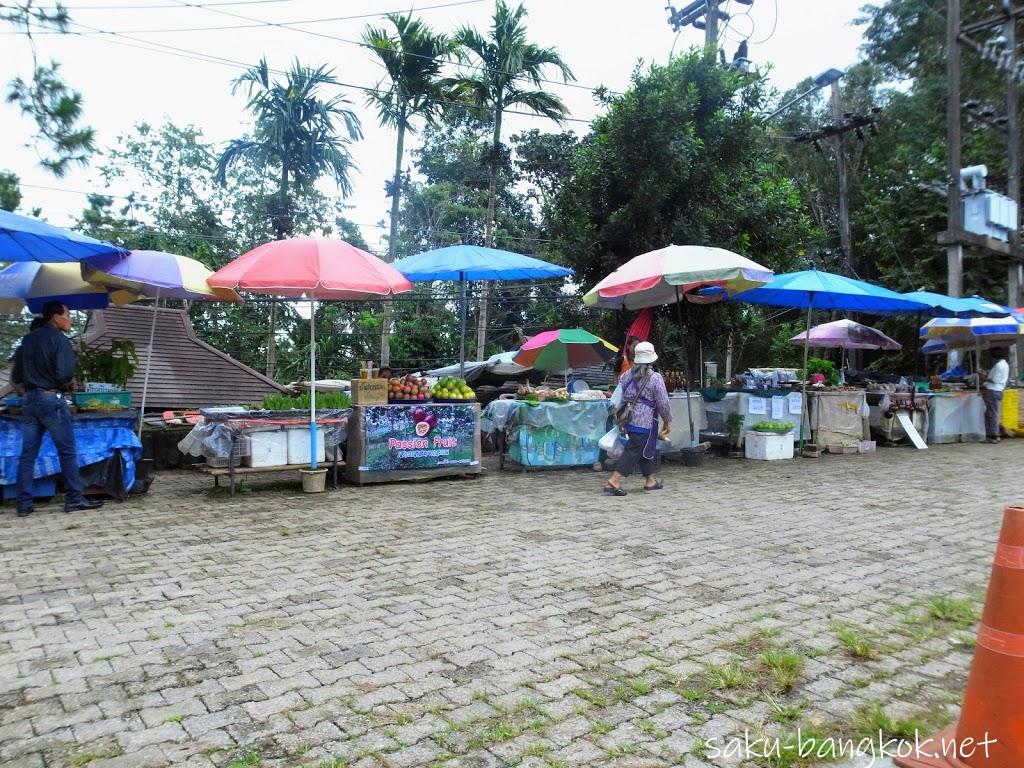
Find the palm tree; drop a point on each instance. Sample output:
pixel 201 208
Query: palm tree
pixel 412 58
pixel 296 138
pixel 506 65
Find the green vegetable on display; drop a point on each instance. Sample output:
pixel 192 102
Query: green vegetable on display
pixel 773 426
pixel 325 400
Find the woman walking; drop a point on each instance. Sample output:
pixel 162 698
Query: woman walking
pixel 644 400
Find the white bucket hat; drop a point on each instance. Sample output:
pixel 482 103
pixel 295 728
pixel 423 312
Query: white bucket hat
pixel 644 353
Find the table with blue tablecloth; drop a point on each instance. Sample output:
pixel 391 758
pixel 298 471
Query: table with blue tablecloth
pixel 548 434
pixel 108 452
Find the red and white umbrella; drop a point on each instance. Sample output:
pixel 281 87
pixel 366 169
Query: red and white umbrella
pixel 311 268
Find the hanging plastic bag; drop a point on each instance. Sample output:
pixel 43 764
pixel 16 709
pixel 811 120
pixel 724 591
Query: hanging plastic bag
pixel 616 398
pixel 611 443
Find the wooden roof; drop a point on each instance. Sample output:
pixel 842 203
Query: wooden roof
pixel 186 372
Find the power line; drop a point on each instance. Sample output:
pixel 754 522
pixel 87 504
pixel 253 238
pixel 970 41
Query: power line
pixel 172 50
pixel 257 23
pixel 291 26
pixel 77 8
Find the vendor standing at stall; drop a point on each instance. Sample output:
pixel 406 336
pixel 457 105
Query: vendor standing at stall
pixel 45 367
pixel 625 359
pixel 992 387
pixel 644 400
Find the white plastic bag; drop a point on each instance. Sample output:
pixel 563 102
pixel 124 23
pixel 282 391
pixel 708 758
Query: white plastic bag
pixel 616 398
pixel 611 444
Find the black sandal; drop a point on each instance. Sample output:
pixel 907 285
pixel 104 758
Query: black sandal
pixel 656 487
pixel 613 491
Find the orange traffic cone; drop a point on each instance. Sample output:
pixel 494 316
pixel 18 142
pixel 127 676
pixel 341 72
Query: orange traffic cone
pixel 990 733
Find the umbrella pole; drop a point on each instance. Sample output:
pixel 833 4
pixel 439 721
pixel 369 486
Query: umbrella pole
pixel 462 325
pixel 803 394
pixel 312 383
pixel 149 363
pixel 682 346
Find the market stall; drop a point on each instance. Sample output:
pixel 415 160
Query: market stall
pixel 680 438
pixel 956 417
pixel 548 434
pixel 108 453
pixel 780 405
pixel 838 417
pixel 389 443
pixel 237 443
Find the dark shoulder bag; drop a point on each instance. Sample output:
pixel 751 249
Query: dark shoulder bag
pixel 624 413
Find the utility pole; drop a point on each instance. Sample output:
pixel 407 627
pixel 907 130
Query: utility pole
pixel 711 26
pixel 844 184
pixel 701 14
pixel 954 214
pixel 1013 179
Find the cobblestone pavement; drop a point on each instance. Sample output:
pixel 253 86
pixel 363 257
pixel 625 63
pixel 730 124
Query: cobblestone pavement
pixel 517 619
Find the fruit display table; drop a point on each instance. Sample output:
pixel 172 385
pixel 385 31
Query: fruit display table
pixel 548 434
pixel 391 443
pixel 108 451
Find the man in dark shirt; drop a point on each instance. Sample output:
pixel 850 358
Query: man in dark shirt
pixel 45 367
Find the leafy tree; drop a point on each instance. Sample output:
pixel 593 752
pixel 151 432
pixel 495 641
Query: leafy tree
pixel 296 135
pixel 177 206
pixel 412 58
pixel 680 157
pixel 10 191
pixel 506 65
pixel 46 98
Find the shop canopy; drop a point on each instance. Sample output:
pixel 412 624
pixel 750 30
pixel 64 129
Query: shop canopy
pixel 23 238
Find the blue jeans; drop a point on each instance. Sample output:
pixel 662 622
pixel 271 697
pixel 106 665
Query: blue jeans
pixel 46 412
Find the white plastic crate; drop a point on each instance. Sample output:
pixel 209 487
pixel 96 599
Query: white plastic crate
pixel 268 449
pixel 298 446
pixel 866 446
pixel 767 447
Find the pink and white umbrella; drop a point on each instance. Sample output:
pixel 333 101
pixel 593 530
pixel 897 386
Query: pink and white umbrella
pixel 659 277
pixel 845 334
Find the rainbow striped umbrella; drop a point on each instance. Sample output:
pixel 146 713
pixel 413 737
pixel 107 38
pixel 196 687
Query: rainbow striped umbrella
pixel 156 274
pixel 564 349
pixel 159 275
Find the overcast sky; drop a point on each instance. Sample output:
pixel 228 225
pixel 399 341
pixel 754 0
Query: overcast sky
pixel 160 67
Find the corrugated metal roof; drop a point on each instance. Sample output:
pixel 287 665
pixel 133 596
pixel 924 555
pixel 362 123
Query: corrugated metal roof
pixel 186 372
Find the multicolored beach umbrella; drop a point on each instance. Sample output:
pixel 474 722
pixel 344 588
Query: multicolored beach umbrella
pixel 564 349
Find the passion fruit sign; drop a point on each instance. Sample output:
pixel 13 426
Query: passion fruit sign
pixel 398 437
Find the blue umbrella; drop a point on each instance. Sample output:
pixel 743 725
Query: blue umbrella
pixel 474 262
pixel 23 238
pixel 823 290
pixel 949 306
